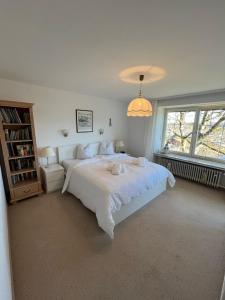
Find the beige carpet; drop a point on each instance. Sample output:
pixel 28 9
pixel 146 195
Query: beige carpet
pixel 174 248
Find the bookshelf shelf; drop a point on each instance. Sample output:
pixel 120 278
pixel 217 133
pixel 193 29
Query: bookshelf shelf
pixel 22 171
pixel 18 151
pixel 20 157
pixel 19 141
pixel 28 182
pixel 16 124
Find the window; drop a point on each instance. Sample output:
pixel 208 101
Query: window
pixel 179 130
pixel 196 132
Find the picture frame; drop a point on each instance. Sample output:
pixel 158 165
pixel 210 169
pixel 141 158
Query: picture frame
pixel 84 120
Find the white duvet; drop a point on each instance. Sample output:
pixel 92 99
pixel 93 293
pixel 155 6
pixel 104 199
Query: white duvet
pixel 103 193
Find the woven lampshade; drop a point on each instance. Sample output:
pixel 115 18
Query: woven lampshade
pixel 47 152
pixel 139 107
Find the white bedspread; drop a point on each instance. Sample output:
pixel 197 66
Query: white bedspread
pixel 104 193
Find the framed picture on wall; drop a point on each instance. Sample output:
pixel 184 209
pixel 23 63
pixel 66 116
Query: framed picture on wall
pixel 84 120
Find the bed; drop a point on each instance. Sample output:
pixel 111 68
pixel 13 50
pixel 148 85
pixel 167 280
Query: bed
pixel 112 198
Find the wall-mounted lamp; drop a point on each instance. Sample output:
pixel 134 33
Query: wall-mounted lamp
pixel 110 122
pixel 65 132
pixel 101 131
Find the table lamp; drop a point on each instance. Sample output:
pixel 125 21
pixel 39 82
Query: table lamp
pixel 119 146
pixel 47 152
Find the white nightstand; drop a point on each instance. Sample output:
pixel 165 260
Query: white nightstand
pixel 52 177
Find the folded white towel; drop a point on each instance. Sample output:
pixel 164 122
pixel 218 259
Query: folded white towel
pixel 140 161
pixel 117 168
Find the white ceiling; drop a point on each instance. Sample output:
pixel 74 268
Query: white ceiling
pixel 83 45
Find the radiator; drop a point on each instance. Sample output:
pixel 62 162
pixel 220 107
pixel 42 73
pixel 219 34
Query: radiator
pixel 202 174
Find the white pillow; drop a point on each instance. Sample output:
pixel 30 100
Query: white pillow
pixel 84 152
pixel 94 147
pixel 106 148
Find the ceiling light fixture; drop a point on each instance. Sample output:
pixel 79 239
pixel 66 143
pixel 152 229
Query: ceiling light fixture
pixel 140 107
pixel 152 74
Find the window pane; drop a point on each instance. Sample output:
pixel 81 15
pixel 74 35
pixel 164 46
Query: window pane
pixel 211 134
pixel 179 130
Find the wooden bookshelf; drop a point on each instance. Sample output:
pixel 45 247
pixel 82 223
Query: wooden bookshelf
pixel 18 151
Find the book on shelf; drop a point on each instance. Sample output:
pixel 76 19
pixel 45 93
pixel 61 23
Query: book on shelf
pixel 13 115
pixel 23 177
pixel 19 134
pixel 23 150
pixel 11 150
pixel 26 117
pixel 7 134
pixel 10 115
pixel 20 150
pixel 21 163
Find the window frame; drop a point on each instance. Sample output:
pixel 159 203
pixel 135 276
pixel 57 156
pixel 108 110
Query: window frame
pixel 197 110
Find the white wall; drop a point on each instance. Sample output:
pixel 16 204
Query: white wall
pixel 54 110
pixel 136 135
pixel 193 99
pixel 5 271
pixel 140 133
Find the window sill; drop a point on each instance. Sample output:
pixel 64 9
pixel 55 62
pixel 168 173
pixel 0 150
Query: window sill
pixel 193 160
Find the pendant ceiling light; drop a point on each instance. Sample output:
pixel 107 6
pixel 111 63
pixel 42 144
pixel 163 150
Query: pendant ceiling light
pixel 140 107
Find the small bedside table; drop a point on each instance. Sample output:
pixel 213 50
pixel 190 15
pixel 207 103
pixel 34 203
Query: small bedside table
pixel 52 177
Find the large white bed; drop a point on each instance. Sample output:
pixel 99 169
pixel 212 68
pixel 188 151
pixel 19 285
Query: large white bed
pixel 112 198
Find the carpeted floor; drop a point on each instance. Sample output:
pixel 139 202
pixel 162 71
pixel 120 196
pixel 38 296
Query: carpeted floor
pixel 172 249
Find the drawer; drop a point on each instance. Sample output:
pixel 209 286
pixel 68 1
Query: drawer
pixel 55 176
pixel 26 190
pixel 54 186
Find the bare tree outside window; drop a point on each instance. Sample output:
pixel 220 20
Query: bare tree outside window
pixel 209 140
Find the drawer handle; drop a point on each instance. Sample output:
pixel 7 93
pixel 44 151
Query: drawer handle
pixel 27 191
